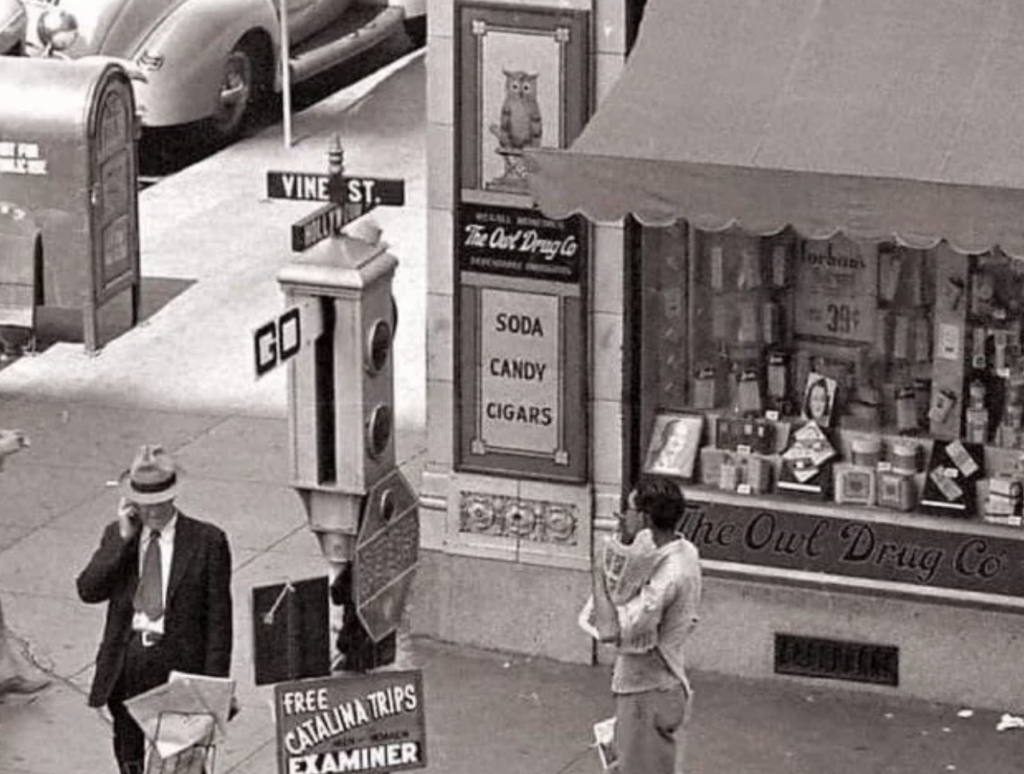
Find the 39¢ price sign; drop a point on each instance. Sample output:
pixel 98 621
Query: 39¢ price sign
pixel 837 291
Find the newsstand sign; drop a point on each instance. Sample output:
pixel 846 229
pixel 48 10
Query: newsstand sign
pixel 366 724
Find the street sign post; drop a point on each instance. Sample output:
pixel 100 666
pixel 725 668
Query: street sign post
pixel 312 187
pixel 386 555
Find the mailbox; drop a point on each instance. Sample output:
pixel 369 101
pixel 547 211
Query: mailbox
pixel 68 160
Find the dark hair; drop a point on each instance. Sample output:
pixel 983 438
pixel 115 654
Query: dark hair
pixel 661 500
pixel 821 382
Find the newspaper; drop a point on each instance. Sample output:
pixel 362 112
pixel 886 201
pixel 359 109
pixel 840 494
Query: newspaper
pixel 604 741
pixel 627 567
pixel 186 711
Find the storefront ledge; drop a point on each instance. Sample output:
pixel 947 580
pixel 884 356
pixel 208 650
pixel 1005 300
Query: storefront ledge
pixel 832 583
pixel 519 555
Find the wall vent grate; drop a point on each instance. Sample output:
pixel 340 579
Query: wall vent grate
pixel 855 661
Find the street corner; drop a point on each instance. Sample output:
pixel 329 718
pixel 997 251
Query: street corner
pixel 32 724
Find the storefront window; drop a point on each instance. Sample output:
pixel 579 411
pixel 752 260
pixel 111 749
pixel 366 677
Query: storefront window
pixel 863 373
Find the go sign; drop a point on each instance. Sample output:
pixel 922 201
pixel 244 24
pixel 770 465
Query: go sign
pixel 281 339
pixel 277 341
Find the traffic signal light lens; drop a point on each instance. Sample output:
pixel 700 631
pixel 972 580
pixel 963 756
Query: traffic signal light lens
pixel 379 431
pixel 378 346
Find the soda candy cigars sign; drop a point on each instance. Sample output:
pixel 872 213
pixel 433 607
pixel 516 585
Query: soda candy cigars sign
pixel 519 243
pixel 520 376
pixel 332 725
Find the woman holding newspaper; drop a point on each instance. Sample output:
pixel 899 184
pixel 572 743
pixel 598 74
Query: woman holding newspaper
pixel 646 598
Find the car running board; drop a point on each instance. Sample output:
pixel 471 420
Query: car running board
pixel 360 28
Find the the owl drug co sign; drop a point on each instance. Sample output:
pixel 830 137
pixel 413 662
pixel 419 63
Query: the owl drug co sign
pixel 519 243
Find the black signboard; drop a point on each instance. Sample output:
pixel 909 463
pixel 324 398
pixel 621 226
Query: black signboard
pixel 313 187
pixel 290 631
pixel 876 550
pixel 521 243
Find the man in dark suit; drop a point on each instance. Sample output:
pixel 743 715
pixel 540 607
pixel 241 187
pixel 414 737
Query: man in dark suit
pixel 166 579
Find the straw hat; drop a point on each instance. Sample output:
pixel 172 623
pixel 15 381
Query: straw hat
pixel 152 478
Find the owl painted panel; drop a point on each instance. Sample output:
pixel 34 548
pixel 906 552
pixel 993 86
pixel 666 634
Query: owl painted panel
pixel 520 124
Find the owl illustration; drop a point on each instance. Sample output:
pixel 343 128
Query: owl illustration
pixel 520 125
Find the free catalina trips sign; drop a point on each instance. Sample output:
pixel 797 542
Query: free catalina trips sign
pixel 340 724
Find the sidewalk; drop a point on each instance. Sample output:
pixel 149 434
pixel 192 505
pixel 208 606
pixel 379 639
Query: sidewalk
pixel 184 378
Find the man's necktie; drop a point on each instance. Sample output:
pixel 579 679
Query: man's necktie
pixel 149 597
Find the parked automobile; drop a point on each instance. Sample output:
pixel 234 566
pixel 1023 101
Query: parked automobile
pixel 210 61
pixel 12 27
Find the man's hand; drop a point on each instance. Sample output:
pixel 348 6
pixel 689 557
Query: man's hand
pixel 606 617
pixel 127 518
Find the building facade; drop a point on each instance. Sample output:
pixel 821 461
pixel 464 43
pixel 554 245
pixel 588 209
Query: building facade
pixel 659 242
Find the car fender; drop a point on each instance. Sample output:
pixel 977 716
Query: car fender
pixel 191 47
pixel 413 8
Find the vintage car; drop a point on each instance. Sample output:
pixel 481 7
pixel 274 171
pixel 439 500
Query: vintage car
pixel 12 27
pixel 209 61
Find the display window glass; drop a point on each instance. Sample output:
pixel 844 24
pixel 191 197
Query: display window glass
pixel 861 372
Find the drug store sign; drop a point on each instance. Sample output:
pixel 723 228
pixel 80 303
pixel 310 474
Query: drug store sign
pixel 520 243
pixel 520 378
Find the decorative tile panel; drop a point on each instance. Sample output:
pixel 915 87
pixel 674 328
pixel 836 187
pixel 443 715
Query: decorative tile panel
pixel 533 520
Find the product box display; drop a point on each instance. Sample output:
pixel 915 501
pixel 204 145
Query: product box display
pixel 735 472
pixel 756 435
pixel 854 484
pixel 952 474
pixel 854 372
pixel 896 490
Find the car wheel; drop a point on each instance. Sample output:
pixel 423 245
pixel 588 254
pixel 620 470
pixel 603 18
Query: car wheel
pixel 239 87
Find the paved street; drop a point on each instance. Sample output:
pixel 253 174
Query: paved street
pixel 185 378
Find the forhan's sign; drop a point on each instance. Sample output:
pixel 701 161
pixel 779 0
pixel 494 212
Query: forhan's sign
pixel 862 549
pixel 343 724
pixel 837 291
pixel 519 243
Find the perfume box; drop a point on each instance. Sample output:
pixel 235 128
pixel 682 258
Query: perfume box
pixel 729 471
pixel 754 433
pixel 854 484
pixel 896 490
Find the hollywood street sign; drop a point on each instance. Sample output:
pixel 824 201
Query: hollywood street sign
pixel 317 226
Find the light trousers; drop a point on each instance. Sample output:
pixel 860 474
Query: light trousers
pixel 650 731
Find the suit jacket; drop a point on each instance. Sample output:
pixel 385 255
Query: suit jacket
pixel 197 612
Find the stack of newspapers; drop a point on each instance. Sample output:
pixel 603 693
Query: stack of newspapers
pixel 627 567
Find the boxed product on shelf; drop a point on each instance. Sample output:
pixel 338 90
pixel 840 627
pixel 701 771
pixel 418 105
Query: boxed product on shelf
pixel 854 484
pixel 897 490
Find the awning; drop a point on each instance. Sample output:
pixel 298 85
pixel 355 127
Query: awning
pixel 878 118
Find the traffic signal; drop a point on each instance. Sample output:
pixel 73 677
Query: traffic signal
pixel 341 385
pixel 364 375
